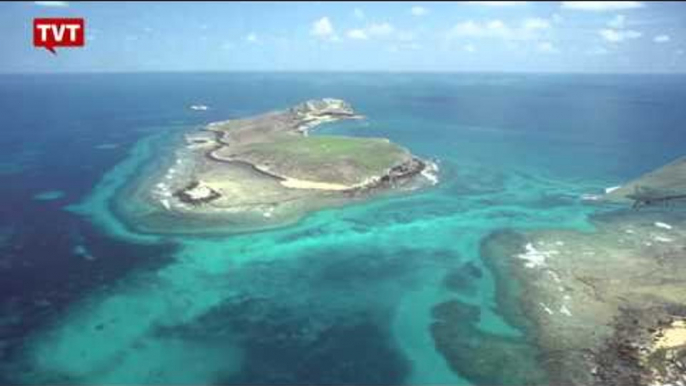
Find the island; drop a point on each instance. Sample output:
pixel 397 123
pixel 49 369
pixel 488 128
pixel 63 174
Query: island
pixel 269 170
pixel 664 186
pixel 605 306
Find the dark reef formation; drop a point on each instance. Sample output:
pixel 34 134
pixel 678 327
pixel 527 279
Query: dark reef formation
pixel 480 356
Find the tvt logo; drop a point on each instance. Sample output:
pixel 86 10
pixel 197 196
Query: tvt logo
pixel 49 33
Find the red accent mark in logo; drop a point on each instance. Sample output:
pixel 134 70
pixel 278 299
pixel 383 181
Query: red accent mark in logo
pixel 58 32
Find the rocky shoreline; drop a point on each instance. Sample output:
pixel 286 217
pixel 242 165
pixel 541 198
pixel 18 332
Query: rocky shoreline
pixel 635 354
pixel 597 304
pixel 604 306
pixel 196 193
pixel 265 171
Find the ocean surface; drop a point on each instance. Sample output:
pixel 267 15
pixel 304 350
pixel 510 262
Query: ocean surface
pixel 342 297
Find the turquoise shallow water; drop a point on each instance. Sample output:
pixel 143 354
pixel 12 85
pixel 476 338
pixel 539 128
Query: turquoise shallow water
pixel 381 263
pixel 345 295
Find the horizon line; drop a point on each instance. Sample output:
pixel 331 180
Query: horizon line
pixel 389 72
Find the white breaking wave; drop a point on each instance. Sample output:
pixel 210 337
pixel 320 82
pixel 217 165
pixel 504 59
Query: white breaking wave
pixel 547 309
pixel 590 197
pixel 596 197
pixel 611 189
pixel 565 310
pixel 662 239
pixel 535 258
pixel 430 172
pixel 662 225
pixel 268 212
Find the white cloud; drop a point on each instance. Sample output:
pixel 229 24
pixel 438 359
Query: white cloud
pixel 52 3
pixel 618 36
pixel 470 28
pixel 227 46
pixel 617 22
pixel 377 30
pixel 252 38
pixel 358 34
pixel 599 6
pixel 598 51
pixel 380 29
pixel 359 14
pixel 557 18
pixel 323 28
pixel 405 36
pixel 661 39
pixel 394 48
pixel 527 30
pixel 632 34
pixel 418 11
pixel 547 47
pixel 536 23
pixel 469 48
pixel 611 35
pixel 498 3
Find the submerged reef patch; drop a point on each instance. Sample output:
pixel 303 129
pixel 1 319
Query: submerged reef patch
pixel 480 356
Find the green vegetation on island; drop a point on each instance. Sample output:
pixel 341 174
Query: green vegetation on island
pixel 268 170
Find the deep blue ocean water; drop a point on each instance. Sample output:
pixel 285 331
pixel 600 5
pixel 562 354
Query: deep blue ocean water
pixel 345 295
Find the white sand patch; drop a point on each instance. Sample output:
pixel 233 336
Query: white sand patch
pixel 630 231
pixel 559 243
pixel 295 183
pixel 199 107
pixel 165 203
pixel 672 336
pixel 590 197
pixel 662 225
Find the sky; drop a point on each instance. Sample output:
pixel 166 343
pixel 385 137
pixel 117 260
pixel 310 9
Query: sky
pixel 595 37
